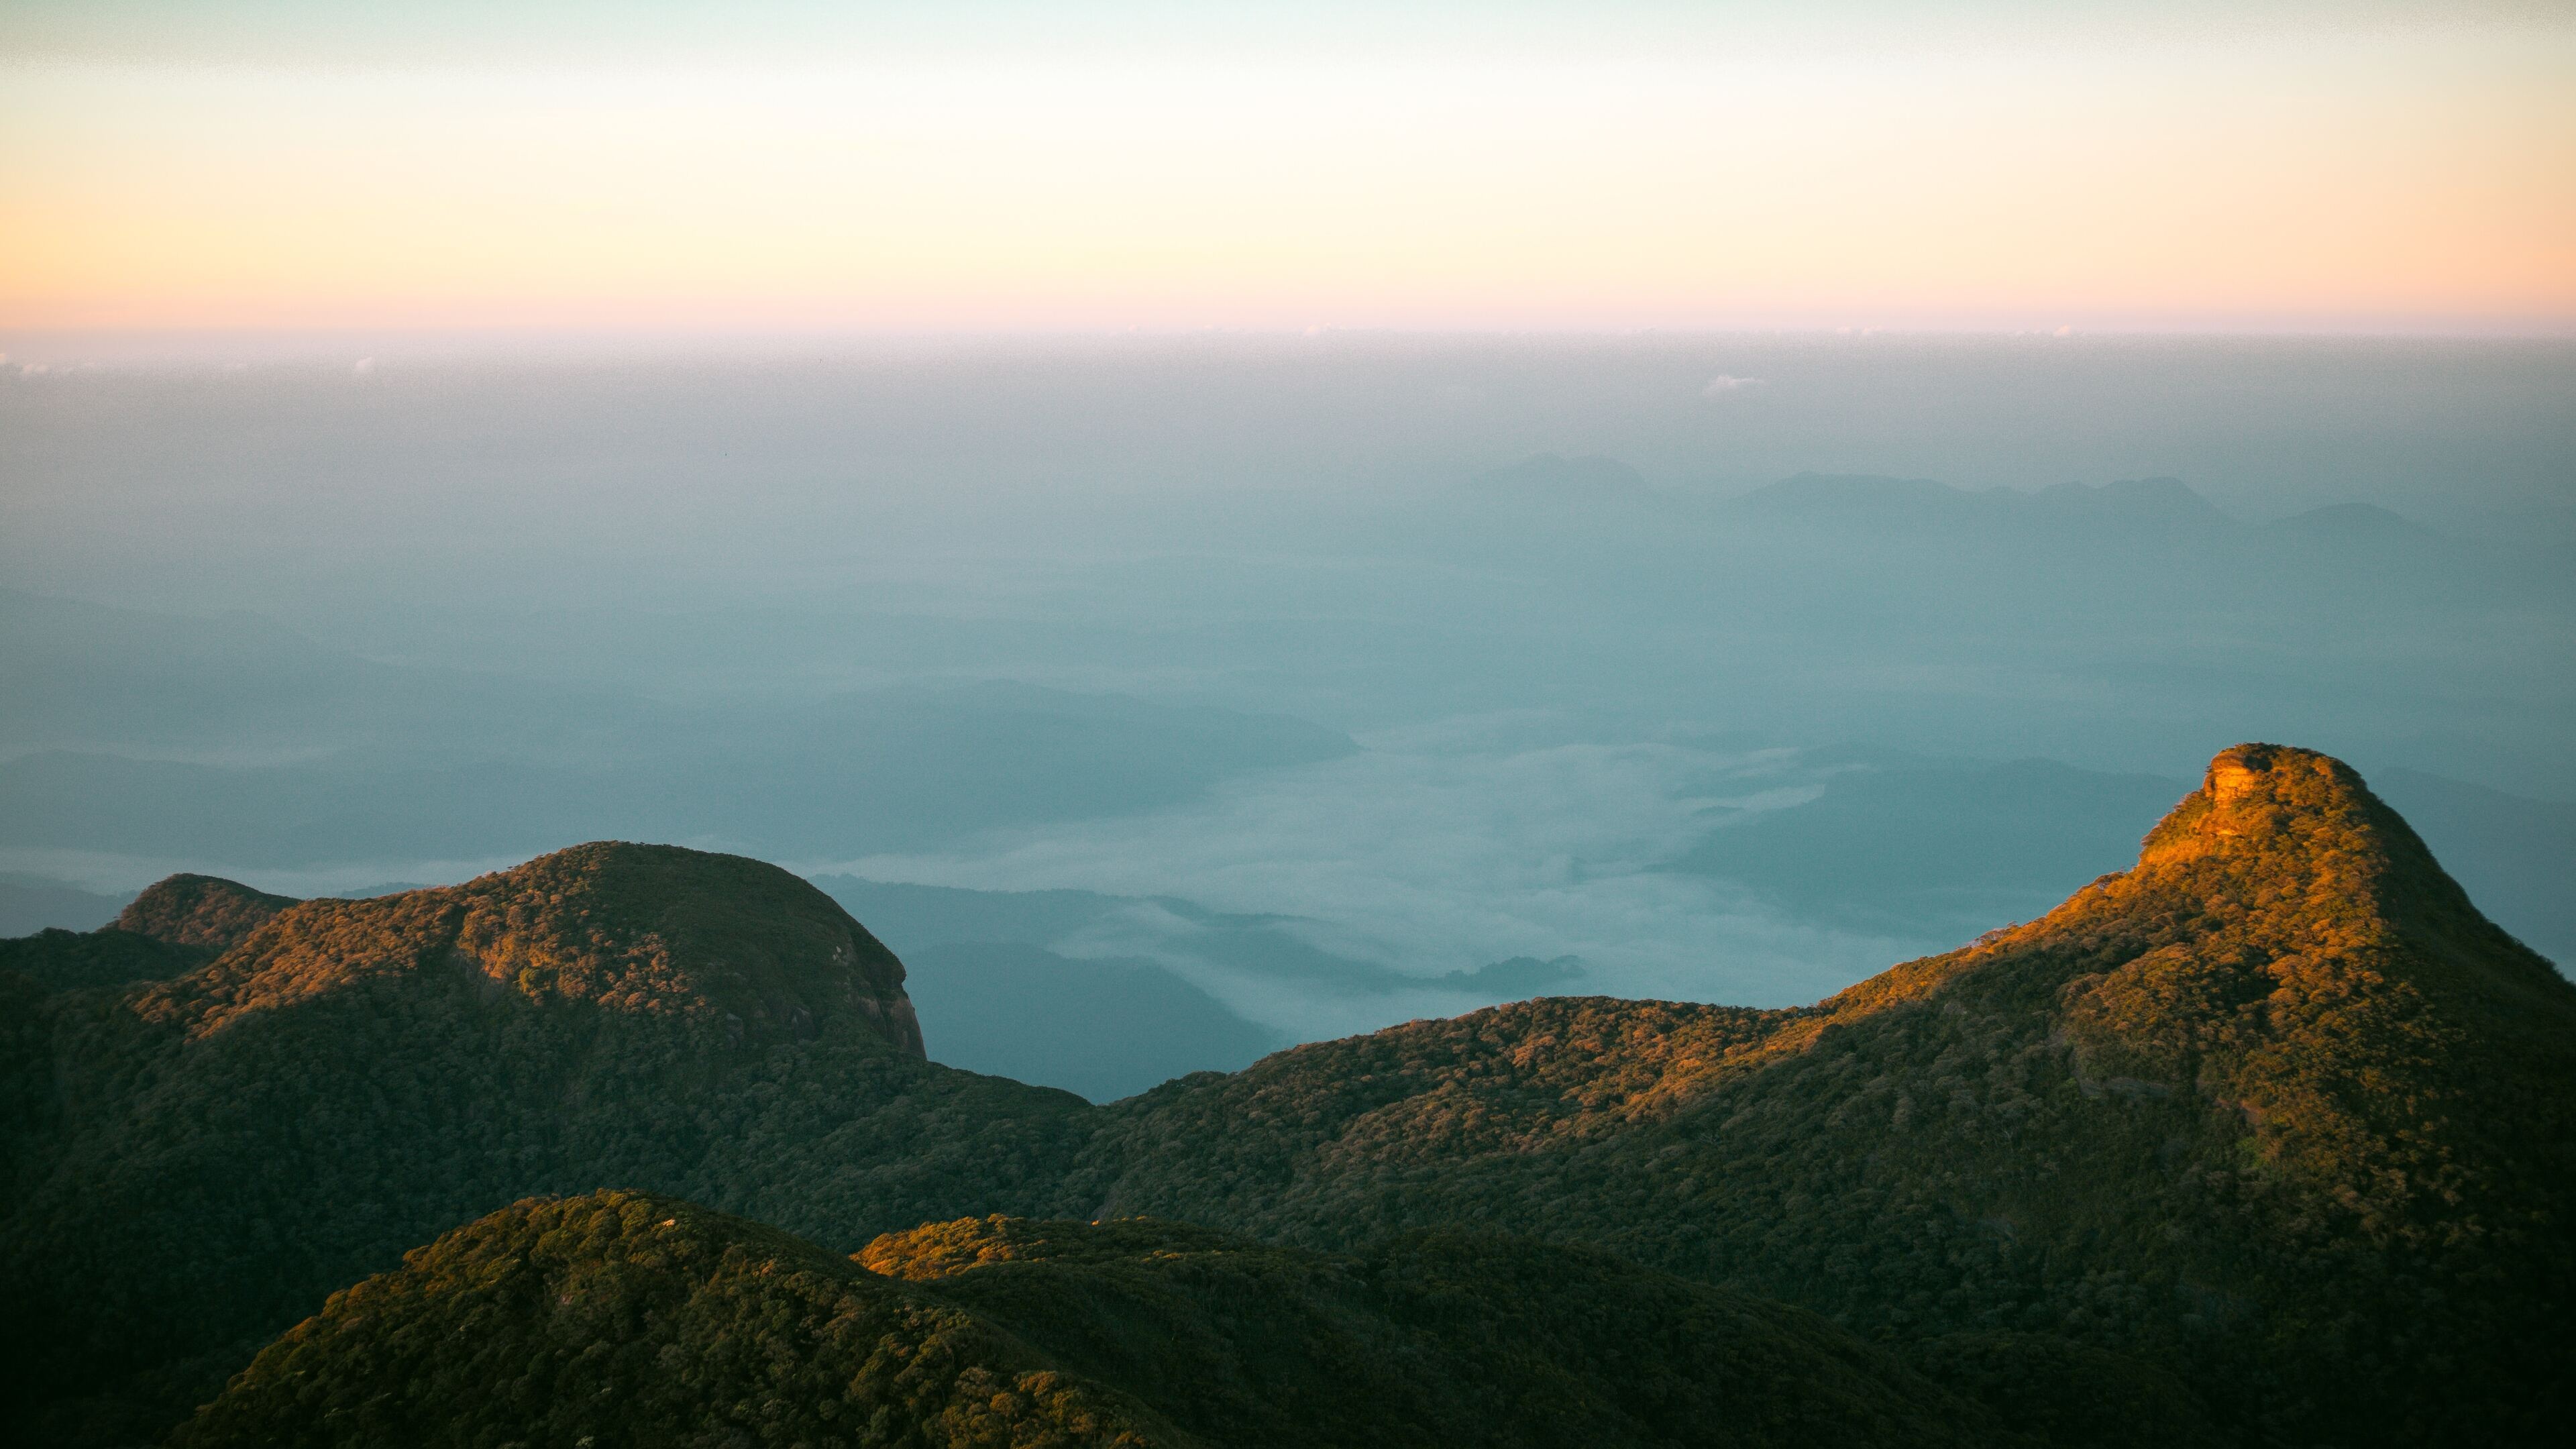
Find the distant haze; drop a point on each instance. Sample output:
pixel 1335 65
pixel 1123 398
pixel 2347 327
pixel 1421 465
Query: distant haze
pixel 1338 679
pixel 220 474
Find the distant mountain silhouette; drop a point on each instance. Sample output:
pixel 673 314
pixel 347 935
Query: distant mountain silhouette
pixel 1518 976
pixel 32 903
pixel 2352 522
pixel 2165 506
pixel 1094 993
pixel 1552 479
pixel 2521 853
pixel 1922 848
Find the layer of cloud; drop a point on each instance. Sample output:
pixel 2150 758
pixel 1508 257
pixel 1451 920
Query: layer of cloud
pixel 1432 861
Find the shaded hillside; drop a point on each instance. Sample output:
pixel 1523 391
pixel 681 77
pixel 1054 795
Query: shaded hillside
pixel 74 960
pixel 199 1160
pixel 625 1319
pixel 2277 1108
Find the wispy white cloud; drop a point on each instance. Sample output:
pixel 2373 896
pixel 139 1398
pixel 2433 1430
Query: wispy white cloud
pixel 1725 383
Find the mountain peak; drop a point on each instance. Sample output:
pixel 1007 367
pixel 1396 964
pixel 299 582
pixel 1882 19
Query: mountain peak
pixel 2252 795
pixel 700 931
pixel 200 910
pixel 2289 948
pixel 2289 833
pixel 2134 498
pixel 2166 504
pixel 650 930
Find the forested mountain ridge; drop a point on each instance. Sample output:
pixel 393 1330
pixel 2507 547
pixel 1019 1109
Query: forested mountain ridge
pixel 179 924
pixel 200 910
pixel 639 929
pixel 2276 1107
pixel 2275 1113
pixel 196 1158
pixel 628 1319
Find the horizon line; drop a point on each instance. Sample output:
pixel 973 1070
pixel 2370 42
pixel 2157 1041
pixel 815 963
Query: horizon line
pixel 141 343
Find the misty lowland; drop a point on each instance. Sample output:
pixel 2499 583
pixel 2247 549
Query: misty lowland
pixel 1305 889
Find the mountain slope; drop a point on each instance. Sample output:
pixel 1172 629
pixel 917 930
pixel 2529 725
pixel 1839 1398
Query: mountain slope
pixel 621 1318
pixel 176 926
pixel 200 910
pixel 2275 1113
pixel 2277 1108
pixel 198 1160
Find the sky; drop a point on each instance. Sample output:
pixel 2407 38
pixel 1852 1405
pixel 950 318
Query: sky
pixel 2371 167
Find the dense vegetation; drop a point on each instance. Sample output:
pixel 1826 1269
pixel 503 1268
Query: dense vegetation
pixel 2276 1115
pixel 197 1161
pixel 176 926
pixel 2277 1109
pixel 620 1319
pixel 200 910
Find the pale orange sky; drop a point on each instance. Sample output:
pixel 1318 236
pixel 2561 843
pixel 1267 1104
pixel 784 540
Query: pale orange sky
pixel 2400 176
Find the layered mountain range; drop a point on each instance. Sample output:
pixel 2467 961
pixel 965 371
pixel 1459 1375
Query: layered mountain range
pixel 2266 1140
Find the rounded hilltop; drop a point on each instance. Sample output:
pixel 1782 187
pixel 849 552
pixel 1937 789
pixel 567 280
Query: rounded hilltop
pixel 199 910
pixel 651 930
pixel 661 927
